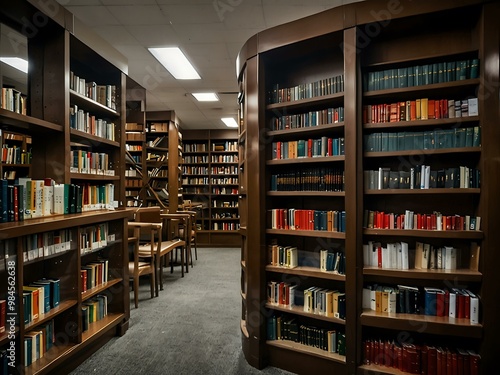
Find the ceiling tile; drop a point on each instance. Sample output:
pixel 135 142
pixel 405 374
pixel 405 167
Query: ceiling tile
pixel 115 34
pixel 154 35
pixel 93 15
pixel 138 15
pixel 190 14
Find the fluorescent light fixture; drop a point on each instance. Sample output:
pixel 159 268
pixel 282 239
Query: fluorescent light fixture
pixel 206 96
pixel 175 62
pixel 16 62
pixel 230 122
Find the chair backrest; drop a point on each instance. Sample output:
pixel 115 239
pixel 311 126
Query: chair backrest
pixel 148 214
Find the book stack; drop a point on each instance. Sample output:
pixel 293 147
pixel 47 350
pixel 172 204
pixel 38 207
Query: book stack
pixel 423 140
pixel 90 162
pixel 330 261
pixel 296 219
pixel 330 303
pixel 94 310
pixel 102 94
pixel 312 118
pixel 417 75
pixel 94 274
pixel 38 342
pixel 283 327
pixel 281 293
pixel 417 358
pixel 283 256
pixel 308 148
pixel 93 238
pixel 45 244
pixel 87 123
pixel 327 86
pixel 13 100
pixel 39 298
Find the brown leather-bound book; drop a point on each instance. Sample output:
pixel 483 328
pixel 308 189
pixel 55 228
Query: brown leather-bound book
pixel 431 360
pixel 424 355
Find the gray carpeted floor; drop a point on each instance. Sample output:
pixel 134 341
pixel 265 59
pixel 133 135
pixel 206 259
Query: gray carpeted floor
pixel 193 327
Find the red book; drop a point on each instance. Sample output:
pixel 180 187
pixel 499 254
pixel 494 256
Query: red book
pixel 444 108
pixel 330 147
pixel 440 297
pixel 439 361
pixel 429 222
pixel 16 203
pixel 446 303
pixel 83 278
pixel 367 352
pixel 448 223
pixel 379 256
pixel 449 362
pixel 413 110
pixel 309 148
pixel 431 109
pixel 466 305
pixel 419 222
pixel 433 222
pixel 453 223
pixel 454 363
pixel 376 352
pixel 386 221
pixel 398 351
pixel 431 361
pixel 424 359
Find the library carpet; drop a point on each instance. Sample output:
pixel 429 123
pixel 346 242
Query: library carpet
pixel 193 327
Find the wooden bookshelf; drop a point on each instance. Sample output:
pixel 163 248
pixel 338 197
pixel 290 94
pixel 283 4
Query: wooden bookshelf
pixel 275 60
pixel 56 52
pixel 204 184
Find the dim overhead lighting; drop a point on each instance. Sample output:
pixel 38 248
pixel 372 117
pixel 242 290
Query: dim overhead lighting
pixel 230 122
pixel 206 96
pixel 175 62
pixel 16 62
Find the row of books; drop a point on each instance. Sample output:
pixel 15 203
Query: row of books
pixel 302 219
pixel 225 226
pixel 195 159
pixel 153 156
pixel 15 155
pixel 224 204
pixel 87 123
pixel 414 358
pixel 136 158
pixel 13 100
pixel 158 172
pixel 195 181
pixel 94 310
pixel 332 261
pixel 415 221
pixel 308 119
pixel 102 94
pixel 195 147
pixel 38 342
pixel 423 140
pixel 309 179
pixel 94 274
pixel 224 191
pixel 308 148
pixel 90 162
pixel 130 147
pixel 420 109
pixel 422 177
pixel 39 298
pixel 417 75
pixel 225 215
pixel 45 244
pixel 322 87
pixel 224 158
pixel 94 237
pixel 132 173
pixel 134 136
pixel 398 255
pixel 403 299
pixel 224 181
pixel 229 169
pixel 190 170
pixel 284 327
pixel 226 146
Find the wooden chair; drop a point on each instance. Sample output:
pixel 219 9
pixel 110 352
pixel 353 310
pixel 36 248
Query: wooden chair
pixel 151 221
pixel 177 222
pixel 191 235
pixel 140 265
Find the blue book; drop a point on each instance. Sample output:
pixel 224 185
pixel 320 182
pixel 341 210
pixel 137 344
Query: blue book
pixel 4 217
pixel 46 293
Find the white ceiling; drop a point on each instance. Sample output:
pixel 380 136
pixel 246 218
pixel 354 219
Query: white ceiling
pixel 211 34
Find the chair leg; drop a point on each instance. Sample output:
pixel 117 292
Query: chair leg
pixel 152 284
pixel 136 291
pixel 195 250
pixel 182 262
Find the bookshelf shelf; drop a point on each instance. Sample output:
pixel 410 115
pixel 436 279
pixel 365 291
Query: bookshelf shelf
pixel 306 131
pixel 27 124
pixel 423 191
pixel 95 329
pixel 376 369
pixel 100 288
pixel 433 324
pixel 318 101
pixel 428 152
pixel 322 159
pixel 306 193
pixel 299 310
pixel 422 233
pixel 63 306
pixel 427 274
pixel 91 105
pixel 50 360
pixel 433 123
pixel 307 233
pixel 96 177
pixel 82 136
pixel 296 347
pixel 307 272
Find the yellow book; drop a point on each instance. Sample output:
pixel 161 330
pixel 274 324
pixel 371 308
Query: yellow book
pixel 424 110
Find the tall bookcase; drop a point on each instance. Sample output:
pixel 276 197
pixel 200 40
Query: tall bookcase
pixel 377 48
pixel 59 51
pixel 162 159
pixel 210 178
pixel 134 142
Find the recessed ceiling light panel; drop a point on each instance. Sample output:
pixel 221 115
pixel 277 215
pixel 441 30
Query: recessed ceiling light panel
pixel 175 62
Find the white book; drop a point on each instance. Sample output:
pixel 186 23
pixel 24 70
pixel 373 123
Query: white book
pixel 422 177
pixel 405 261
pixel 474 308
pixel 399 265
pixel 451 258
pixel 432 258
pixel 323 254
pixel 439 258
pixel 473 107
pixel 38 209
pixel 294 257
pixel 375 254
pixel 427 176
pixel 452 305
pixel 385 258
pixel 392 301
pixel 366 301
pixel 380 182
